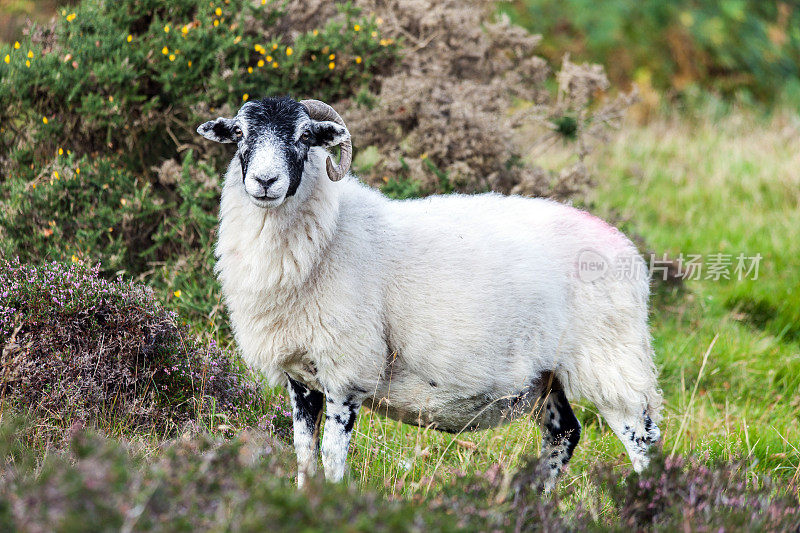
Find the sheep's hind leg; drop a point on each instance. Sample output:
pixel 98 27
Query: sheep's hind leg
pixel 561 432
pixel 636 431
pixel 306 414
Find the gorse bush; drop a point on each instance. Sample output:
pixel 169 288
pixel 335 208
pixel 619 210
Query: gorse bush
pixel 80 205
pixel 97 210
pixel 76 347
pixel 137 76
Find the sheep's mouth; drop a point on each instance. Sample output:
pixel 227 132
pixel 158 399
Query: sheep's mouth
pixel 266 198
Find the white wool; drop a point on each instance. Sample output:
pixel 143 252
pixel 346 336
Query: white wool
pixel 430 304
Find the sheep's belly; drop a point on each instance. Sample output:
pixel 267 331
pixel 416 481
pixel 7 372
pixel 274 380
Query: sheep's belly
pixel 458 413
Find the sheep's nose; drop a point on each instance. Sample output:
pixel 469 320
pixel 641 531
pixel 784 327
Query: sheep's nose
pixel 266 182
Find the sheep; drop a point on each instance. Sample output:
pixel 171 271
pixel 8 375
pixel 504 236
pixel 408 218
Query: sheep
pixel 456 312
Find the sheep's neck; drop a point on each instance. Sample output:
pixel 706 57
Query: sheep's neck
pixel 276 258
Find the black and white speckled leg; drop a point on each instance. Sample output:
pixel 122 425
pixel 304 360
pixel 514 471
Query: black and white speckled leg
pixel 340 417
pixel 636 431
pixel 306 415
pixel 561 432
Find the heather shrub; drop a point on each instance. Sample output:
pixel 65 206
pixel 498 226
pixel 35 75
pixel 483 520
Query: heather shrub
pixel 678 493
pixel 196 484
pixel 77 347
pixel 203 483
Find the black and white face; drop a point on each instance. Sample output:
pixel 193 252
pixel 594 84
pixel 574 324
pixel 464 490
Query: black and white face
pixel 275 137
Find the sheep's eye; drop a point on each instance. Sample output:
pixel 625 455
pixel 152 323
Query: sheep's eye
pixel 237 131
pixel 305 137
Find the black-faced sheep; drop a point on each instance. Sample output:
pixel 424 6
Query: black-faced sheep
pixel 455 312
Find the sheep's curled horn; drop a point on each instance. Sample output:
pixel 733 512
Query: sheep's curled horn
pixel 319 110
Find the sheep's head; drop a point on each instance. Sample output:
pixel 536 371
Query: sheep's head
pixel 276 137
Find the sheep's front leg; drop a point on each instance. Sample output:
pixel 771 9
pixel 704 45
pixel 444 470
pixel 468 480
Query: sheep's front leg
pixel 340 417
pixel 306 414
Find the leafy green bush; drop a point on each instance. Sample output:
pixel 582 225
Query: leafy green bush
pixel 732 46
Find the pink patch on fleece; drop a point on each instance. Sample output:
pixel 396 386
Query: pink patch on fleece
pixel 602 229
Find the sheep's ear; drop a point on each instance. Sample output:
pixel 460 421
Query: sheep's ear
pixel 220 130
pixel 327 133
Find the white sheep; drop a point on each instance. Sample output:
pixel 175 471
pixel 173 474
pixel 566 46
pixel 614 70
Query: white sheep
pixel 454 312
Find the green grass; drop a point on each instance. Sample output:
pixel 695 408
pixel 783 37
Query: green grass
pixel 686 186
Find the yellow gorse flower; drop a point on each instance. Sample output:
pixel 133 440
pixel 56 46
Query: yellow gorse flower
pixel 71 17
pixel 166 28
pixel 216 23
pixel 44 119
pixel 218 11
pixel 177 293
pixel 30 54
pixel 16 45
pixel 172 57
pixel 165 50
pixel 7 59
pixel 130 38
pixel 331 65
pixel 260 63
pixel 245 97
pixel 289 51
pixel 357 27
